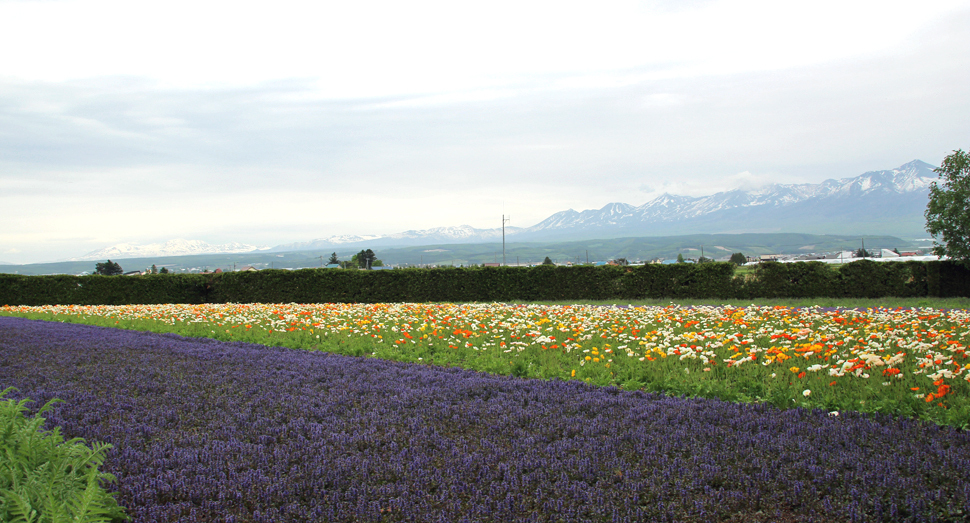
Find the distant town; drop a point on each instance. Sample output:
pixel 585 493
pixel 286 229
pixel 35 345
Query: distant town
pixel 878 255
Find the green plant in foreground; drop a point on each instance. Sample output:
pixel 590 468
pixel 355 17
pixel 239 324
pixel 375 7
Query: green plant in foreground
pixel 46 479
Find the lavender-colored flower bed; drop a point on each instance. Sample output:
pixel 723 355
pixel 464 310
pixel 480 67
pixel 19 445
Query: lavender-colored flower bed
pixel 213 431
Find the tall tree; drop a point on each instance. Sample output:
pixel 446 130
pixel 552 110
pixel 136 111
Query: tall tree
pixel 108 268
pixel 333 259
pixel 948 210
pixel 680 258
pixel 547 261
pixel 738 258
pixel 366 259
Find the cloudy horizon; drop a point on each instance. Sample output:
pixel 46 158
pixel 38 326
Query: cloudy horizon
pixel 234 122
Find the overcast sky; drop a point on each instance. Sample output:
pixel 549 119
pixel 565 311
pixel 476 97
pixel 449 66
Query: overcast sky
pixel 274 122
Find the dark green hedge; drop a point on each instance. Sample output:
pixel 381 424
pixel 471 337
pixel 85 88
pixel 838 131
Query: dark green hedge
pixel 860 279
pixel 954 279
pixel 102 290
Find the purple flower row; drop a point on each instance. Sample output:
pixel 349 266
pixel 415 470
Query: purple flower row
pixel 231 432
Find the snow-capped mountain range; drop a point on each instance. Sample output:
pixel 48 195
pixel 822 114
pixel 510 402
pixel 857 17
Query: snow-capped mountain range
pixel 876 202
pixel 177 247
pixel 460 234
pixel 899 191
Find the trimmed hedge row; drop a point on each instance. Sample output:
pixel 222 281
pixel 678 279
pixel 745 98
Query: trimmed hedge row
pixel 860 279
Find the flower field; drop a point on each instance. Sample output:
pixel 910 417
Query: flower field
pixel 904 362
pixel 216 431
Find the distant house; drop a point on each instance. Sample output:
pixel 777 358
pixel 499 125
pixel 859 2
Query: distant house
pixel 332 266
pixel 493 264
pixel 249 268
pixel 842 255
pixel 133 273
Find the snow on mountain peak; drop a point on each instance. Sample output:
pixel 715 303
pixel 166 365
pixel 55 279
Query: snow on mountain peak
pixel 346 238
pixel 913 176
pixel 176 247
pixel 663 211
pixel 450 233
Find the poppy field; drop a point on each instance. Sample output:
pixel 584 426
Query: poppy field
pixel 204 430
pixel 902 362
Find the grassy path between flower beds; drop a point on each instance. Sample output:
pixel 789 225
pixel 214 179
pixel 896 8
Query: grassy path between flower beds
pixel 212 431
pixel 902 362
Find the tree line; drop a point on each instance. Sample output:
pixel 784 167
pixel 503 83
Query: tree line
pixel 110 268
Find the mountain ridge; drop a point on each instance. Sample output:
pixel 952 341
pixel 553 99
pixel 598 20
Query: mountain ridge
pixel 832 206
pixel 715 246
pixel 176 247
pixel 914 176
pixel 876 202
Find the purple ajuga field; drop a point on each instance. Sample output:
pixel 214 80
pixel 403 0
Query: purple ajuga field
pixel 213 431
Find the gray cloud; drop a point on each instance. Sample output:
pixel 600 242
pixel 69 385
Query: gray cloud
pixel 541 144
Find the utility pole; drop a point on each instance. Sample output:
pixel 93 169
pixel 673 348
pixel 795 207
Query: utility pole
pixel 504 220
pixel 587 256
pixel 863 247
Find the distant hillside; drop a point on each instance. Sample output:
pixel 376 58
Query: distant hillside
pixel 638 248
pixel 634 248
pixel 889 202
pixel 449 235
